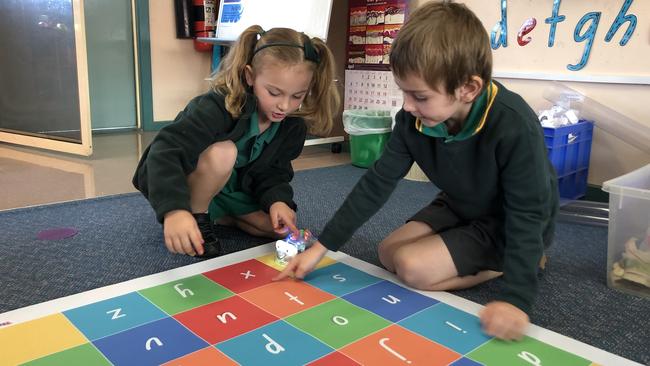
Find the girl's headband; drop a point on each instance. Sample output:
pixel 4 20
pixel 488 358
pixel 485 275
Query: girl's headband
pixel 308 48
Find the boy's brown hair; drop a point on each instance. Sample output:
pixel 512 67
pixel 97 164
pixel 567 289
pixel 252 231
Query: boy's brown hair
pixel 442 42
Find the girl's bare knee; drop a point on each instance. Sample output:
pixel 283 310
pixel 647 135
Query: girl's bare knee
pixel 220 156
pixel 258 224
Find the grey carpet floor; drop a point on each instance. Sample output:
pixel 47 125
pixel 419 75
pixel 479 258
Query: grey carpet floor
pixel 119 240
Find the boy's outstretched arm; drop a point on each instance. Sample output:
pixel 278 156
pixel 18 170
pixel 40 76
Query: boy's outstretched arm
pixel 303 263
pixel 504 321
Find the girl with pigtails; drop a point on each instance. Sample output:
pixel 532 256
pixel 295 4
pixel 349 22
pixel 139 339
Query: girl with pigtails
pixel 226 158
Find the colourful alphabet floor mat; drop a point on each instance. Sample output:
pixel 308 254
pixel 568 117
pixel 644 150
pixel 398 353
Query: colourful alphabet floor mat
pixel 227 311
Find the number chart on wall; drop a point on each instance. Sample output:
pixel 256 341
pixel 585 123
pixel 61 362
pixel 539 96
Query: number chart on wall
pixel 367 89
pixel 227 311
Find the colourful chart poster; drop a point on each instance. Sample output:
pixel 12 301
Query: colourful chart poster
pixel 373 25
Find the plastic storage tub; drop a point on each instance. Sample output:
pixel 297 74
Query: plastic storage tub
pixel 569 149
pixel 628 252
pixel 369 130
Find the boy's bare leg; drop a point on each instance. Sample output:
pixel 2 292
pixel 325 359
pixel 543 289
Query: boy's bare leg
pixel 459 283
pixel 404 235
pixel 423 261
pixel 212 173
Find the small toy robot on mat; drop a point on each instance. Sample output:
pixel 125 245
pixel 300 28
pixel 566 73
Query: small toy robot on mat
pixel 287 248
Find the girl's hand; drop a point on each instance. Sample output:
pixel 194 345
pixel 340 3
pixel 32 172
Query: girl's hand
pixel 303 263
pixel 504 321
pixel 182 234
pixel 283 218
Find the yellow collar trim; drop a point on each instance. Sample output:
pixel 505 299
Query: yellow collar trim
pixel 493 89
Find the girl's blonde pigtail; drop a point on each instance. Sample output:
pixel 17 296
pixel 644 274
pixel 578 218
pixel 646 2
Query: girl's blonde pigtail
pixel 230 79
pixel 323 100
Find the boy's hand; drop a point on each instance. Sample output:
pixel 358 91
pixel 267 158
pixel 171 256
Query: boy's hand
pixel 303 263
pixel 504 321
pixel 182 234
pixel 283 218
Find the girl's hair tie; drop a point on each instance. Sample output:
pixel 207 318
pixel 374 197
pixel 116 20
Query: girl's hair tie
pixel 308 49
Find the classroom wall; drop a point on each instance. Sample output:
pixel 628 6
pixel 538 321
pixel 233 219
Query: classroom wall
pixel 611 156
pixel 178 72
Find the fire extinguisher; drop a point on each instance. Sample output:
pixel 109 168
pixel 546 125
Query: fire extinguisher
pixel 196 18
pixel 204 23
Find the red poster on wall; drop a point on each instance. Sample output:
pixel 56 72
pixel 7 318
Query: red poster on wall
pixel 373 25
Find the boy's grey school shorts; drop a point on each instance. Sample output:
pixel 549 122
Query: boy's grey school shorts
pixel 474 246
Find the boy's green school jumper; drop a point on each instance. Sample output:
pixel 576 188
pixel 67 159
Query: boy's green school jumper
pixel 497 175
